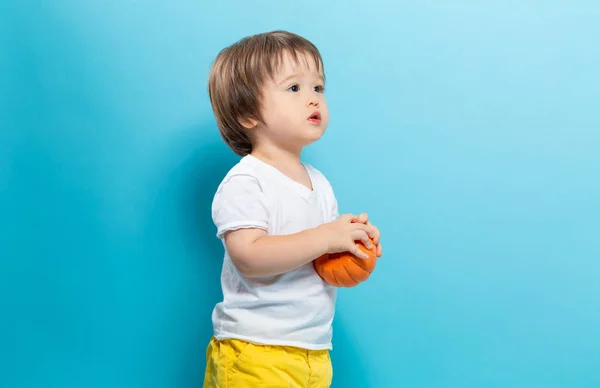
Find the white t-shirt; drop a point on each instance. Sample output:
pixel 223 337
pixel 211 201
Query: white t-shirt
pixel 294 308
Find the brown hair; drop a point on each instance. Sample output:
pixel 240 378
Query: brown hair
pixel 238 74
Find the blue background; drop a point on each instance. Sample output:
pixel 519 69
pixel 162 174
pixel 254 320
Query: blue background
pixel 469 132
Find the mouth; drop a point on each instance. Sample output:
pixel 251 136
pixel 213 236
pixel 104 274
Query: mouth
pixel 315 118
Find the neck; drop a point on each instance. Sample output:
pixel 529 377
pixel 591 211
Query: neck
pixel 286 161
pixel 277 156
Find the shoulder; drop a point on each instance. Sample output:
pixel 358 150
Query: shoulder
pixel 240 201
pixel 243 185
pixel 243 174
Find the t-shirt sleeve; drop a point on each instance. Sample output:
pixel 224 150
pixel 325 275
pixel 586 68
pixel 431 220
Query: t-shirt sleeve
pixel 240 203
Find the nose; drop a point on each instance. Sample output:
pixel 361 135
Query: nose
pixel 313 101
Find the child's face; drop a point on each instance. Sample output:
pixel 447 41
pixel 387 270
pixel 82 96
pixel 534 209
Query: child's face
pixel 294 109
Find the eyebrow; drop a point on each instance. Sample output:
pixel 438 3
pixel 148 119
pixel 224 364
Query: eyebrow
pixel 286 79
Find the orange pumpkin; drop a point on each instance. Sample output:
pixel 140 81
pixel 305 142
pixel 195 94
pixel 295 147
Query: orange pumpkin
pixel 344 269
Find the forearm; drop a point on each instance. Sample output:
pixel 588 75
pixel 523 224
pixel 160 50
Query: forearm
pixel 274 255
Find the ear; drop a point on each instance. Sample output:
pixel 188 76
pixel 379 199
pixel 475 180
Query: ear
pixel 248 123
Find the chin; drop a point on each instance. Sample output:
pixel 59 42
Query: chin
pixel 313 137
pixel 306 137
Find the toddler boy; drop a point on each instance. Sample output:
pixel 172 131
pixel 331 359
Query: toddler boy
pixel 275 215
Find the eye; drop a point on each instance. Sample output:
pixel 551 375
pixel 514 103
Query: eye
pixel 294 88
pixel 319 88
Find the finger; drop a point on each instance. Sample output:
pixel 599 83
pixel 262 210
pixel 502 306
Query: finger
pixel 355 250
pixel 367 229
pixel 363 237
pixel 361 226
pixel 347 218
pixel 376 234
pixel 379 251
pixel 372 231
pixel 363 218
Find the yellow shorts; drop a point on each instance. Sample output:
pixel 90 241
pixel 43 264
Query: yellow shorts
pixel 239 364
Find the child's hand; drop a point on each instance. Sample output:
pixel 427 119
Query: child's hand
pixel 364 218
pixel 341 235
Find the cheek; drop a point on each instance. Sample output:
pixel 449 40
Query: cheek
pixel 325 114
pixel 270 112
pixel 277 108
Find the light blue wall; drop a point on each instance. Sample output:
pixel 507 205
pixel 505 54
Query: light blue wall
pixel 470 132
